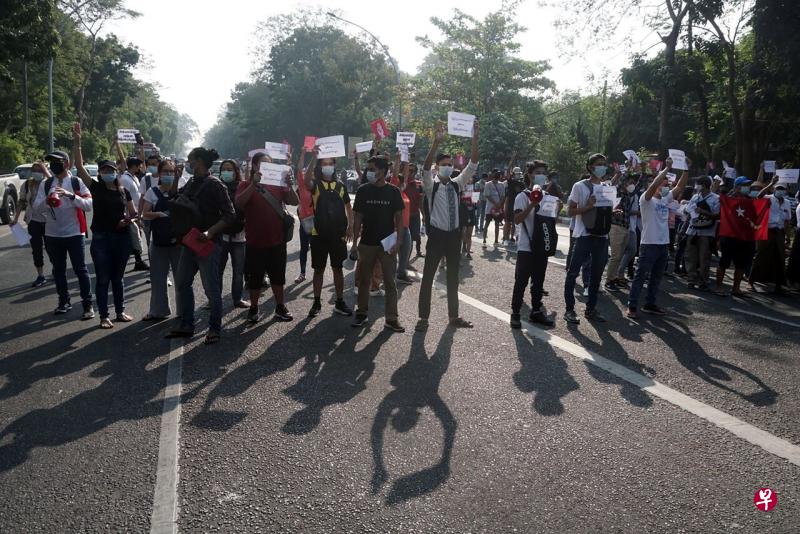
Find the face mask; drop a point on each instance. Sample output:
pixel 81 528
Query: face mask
pixel 167 179
pixel 665 191
pixel 38 176
pixel 539 179
pixel 745 190
pixel 780 193
pixel 445 171
pixel 631 188
pixel 517 175
pixel 152 169
pixel 372 177
pixel 328 170
pixel 753 194
pixel 600 171
pixel 57 166
pixel 227 176
pixel 108 177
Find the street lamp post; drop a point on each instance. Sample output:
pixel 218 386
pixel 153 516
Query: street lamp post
pixel 391 59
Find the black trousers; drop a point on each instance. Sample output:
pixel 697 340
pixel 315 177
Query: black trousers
pixel 440 245
pixel 530 268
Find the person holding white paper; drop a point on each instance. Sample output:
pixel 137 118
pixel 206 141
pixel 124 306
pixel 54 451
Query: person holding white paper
pixel 703 212
pixel 443 226
pixel 33 220
pixel 770 259
pixel 654 249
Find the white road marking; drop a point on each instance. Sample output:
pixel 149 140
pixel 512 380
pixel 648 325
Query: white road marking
pixel 766 317
pixel 165 498
pixel 760 438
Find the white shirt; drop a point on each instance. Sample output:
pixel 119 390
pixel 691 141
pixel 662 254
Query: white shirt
pixel 779 212
pixel 712 199
pixel 655 219
pixel 580 196
pixel 445 194
pixel 143 189
pixel 63 220
pixel 522 202
pixel 797 213
pixel 494 191
pixel 131 185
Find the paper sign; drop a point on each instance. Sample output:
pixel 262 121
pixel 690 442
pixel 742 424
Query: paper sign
pixel 631 156
pixel 548 206
pixel 671 176
pixel 730 172
pixel 366 146
pixel 277 150
pixel 21 236
pixel 605 195
pixel 725 165
pixel 331 147
pixel 403 154
pixel 127 136
pixel 460 124
pixel 678 159
pixel 406 139
pixel 389 241
pixel 273 173
pixel 476 197
pixel 379 128
pixel 769 166
pixel 787 176
pixel 309 143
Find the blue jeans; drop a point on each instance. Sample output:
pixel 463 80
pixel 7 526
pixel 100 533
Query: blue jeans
pixel 236 252
pixel 404 254
pixel 629 254
pixel 652 263
pixel 188 266
pixel 57 249
pixel 110 252
pixel 586 247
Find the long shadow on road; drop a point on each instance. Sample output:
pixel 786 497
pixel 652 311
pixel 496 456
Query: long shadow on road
pixel 542 372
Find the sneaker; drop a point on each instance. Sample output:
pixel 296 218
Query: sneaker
pixel 630 313
pixel 300 279
pixel 653 309
pixel 315 308
pixel 611 286
pixel 141 266
pixel 282 314
pixel 63 308
pixel 458 322
pixel 39 282
pixel 252 315
pixel 592 315
pixel 394 326
pixel 360 320
pixel 422 325
pixel 406 280
pixel 88 313
pixel 376 292
pixel 586 292
pixel 342 308
pixel 540 318
pixel 571 317
pixel 516 323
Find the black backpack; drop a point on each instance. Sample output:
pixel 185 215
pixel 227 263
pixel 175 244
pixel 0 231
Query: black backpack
pixel 238 225
pixel 427 208
pixel 184 211
pixel 330 217
pixel 598 219
pixel 161 228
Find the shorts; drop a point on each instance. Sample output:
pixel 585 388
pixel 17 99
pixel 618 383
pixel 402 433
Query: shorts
pixel 260 261
pixel 322 247
pixel 469 218
pixel 736 251
pixel 496 217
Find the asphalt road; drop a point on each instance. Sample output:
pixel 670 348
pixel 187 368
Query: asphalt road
pixel 664 425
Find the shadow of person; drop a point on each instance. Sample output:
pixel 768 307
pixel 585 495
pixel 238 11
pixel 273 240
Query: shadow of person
pixel 332 379
pixel 544 373
pixel 416 386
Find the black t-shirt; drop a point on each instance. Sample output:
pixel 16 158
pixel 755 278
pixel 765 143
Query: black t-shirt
pixel 377 206
pixel 108 208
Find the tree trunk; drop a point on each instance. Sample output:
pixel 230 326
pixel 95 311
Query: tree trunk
pixel 671 41
pixel 85 83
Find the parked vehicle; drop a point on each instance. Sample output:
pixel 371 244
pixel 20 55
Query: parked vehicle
pixel 10 185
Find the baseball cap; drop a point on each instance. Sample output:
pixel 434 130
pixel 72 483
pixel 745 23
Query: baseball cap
pixel 57 154
pixel 106 163
pixel 133 160
pixel 780 186
pixel 742 180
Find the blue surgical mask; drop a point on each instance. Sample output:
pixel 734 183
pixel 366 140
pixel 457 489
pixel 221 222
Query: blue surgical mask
pixel 372 177
pixel 328 170
pixel 108 177
pixel 38 176
pixel 167 179
pixel 665 191
pixel 152 169
pixel 753 194
pixel 227 176
pixel 445 171
pixel 745 190
pixel 600 171
pixel 539 179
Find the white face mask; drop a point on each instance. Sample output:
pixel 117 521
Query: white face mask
pixel 372 177
pixel 665 191
pixel 328 170
pixel 631 188
pixel 539 179
pixel 445 171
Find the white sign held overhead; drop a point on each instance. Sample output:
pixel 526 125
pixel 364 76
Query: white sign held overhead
pixel 605 195
pixel 730 172
pixel 127 136
pixel 460 124
pixel 406 139
pixel 366 146
pixel 678 159
pixel 403 154
pixel 787 176
pixel 273 174
pixel 671 176
pixel 769 166
pixel 331 147
pixel 277 150
pixel 631 156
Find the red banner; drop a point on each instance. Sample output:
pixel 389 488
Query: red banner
pixel 308 143
pixel 379 128
pixel 744 218
pixel 306 201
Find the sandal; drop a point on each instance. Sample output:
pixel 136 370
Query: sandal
pixel 124 318
pixel 106 324
pixel 211 338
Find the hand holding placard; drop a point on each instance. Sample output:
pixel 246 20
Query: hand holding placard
pixel 460 124
pixel 273 174
pixel 366 146
pixel 331 147
pixel 127 136
pixel 406 139
pixel 277 150
pixel 769 166
pixel 678 159
pixel 787 176
pixel 605 195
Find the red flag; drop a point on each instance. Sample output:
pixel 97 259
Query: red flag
pixel 744 218
pixel 306 200
pixel 308 143
pixel 379 128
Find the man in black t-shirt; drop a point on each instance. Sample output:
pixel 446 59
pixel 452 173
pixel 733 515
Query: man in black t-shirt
pixel 378 214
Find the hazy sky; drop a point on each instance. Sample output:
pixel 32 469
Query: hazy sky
pixel 196 51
